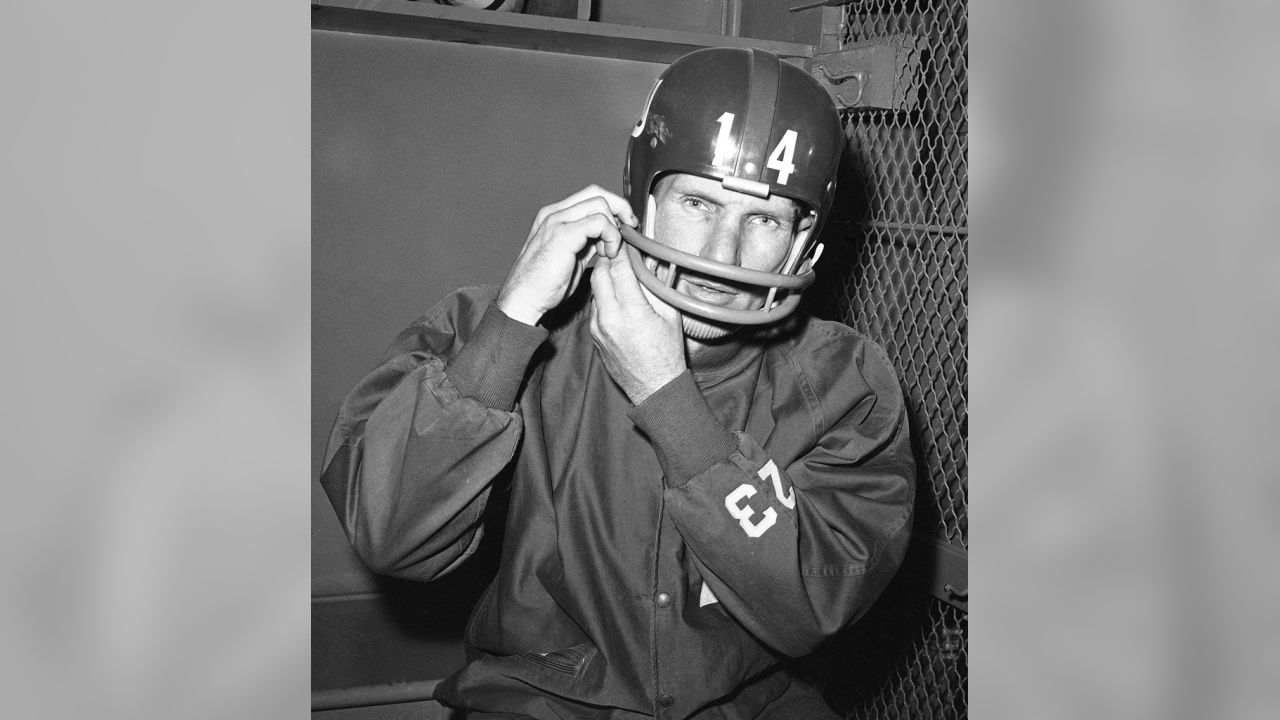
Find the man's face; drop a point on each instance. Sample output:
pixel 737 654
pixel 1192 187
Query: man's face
pixel 699 216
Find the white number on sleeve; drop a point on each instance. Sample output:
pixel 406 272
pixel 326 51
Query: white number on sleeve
pixel 770 472
pixel 782 156
pixel 743 511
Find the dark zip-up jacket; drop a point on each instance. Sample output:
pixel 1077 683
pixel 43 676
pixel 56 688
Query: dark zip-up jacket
pixel 658 559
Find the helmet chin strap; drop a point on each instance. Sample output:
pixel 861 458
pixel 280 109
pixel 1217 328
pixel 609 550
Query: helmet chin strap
pixel 676 260
pixel 650 219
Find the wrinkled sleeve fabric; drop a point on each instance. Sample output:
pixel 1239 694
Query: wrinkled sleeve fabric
pixel 418 442
pixel 793 551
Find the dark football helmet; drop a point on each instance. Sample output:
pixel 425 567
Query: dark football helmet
pixel 758 125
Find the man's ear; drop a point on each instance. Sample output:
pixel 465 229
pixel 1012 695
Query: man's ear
pixel 805 224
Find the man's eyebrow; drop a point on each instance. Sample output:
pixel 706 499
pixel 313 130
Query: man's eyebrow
pixel 696 193
pixel 784 212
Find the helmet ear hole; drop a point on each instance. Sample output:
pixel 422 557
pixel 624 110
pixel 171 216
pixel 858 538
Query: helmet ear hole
pixel 813 259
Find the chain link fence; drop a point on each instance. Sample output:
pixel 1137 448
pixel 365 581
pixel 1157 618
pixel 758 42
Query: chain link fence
pixel 903 280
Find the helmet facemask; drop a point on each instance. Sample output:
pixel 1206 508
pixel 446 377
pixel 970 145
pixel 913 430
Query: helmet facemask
pixel 658 267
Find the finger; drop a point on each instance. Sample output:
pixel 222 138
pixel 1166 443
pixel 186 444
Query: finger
pixel 612 204
pixel 611 247
pixel 602 285
pixel 576 236
pixel 602 248
pixel 618 205
pixel 626 284
pixel 579 210
pixel 547 222
pixel 547 210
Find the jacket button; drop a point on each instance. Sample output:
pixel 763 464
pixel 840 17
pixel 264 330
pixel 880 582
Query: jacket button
pixel 663 599
pixel 666 700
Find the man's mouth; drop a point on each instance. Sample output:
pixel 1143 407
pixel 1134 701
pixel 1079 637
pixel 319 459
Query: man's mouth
pixel 708 290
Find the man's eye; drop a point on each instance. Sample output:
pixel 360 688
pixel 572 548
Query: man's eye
pixel 695 203
pixel 768 221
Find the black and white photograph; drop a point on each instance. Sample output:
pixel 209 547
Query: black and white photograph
pixel 475 359
pixel 639 359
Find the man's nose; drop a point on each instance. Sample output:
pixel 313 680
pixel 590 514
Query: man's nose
pixel 724 243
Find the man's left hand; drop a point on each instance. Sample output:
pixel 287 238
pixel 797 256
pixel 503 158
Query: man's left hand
pixel 640 337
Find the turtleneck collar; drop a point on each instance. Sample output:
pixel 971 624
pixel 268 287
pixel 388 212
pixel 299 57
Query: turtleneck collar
pixel 724 358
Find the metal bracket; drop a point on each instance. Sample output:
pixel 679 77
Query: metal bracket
pixel 839 79
pixel 884 72
pixel 943 568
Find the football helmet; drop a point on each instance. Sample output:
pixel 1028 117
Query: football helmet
pixel 759 126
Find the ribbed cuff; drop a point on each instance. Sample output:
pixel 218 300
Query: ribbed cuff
pixel 687 436
pixel 492 364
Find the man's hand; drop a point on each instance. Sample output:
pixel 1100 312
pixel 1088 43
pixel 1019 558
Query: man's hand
pixel 564 238
pixel 640 337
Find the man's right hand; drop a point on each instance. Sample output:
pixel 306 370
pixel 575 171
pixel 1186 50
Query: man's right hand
pixel 564 238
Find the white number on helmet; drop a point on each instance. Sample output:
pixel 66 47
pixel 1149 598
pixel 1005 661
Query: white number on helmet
pixel 782 156
pixel 724 142
pixel 780 159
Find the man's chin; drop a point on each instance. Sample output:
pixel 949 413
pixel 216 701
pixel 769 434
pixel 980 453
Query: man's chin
pixel 696 328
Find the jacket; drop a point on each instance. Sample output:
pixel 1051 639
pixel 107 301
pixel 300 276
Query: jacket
pixel 658 560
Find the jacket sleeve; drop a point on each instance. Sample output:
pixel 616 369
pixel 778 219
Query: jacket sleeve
pixel 794 550
pixel 418 442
